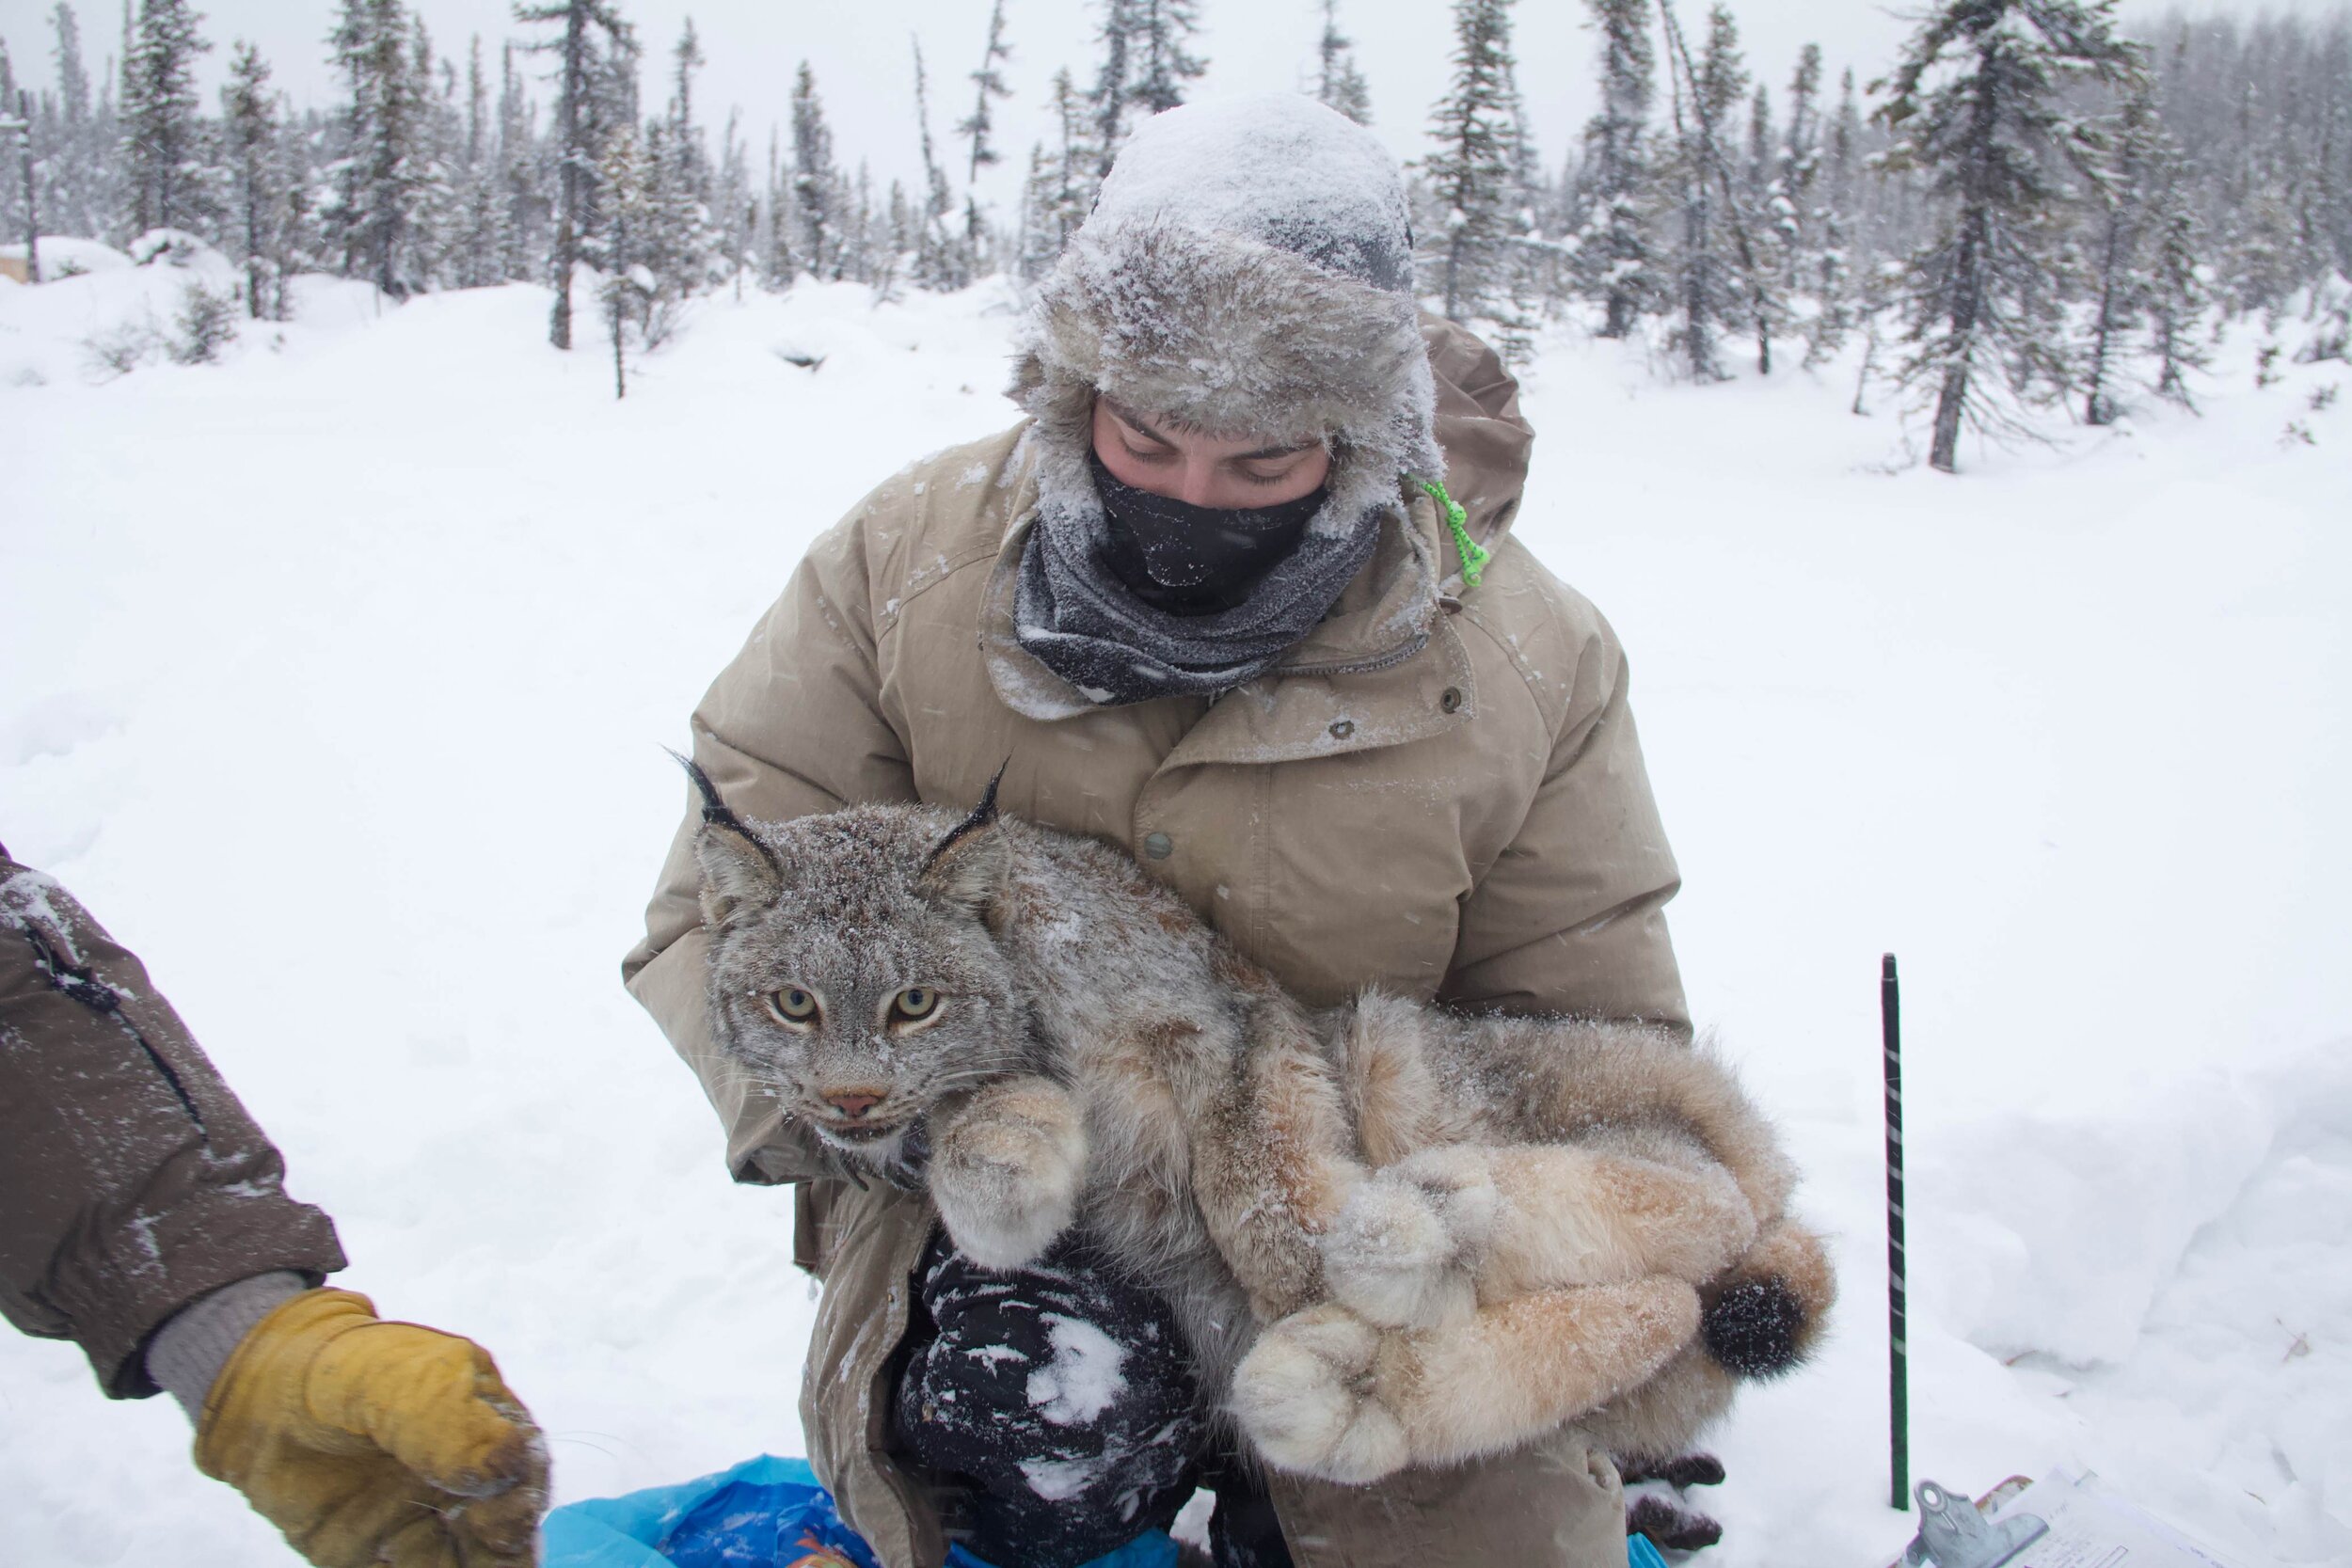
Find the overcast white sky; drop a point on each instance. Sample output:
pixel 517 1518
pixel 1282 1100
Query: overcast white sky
pixel 859 49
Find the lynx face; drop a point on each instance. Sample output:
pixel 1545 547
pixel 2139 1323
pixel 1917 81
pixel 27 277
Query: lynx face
pixel 851 974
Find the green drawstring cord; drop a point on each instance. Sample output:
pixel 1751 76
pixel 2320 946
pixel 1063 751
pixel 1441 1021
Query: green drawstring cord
pixel 1474 554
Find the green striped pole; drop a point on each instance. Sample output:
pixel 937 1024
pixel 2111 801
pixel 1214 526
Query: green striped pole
pixel 1897 1351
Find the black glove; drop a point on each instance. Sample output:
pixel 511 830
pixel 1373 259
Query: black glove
pixel 1061 1396
pixel 1659 1510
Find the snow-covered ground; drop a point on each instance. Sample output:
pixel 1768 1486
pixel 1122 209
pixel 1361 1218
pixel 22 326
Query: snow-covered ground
pixel 334 677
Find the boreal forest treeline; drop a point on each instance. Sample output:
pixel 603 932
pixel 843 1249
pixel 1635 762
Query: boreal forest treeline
pixel 2026 209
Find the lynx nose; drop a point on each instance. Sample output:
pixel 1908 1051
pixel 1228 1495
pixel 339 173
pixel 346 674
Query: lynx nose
pixel 854 1103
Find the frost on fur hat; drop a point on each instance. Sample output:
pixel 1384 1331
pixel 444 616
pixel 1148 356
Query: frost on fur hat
pixel 1246 269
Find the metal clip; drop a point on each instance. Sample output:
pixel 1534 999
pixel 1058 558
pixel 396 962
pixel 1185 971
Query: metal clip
pixel 1953 1534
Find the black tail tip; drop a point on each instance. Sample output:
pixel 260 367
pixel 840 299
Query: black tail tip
pixel 1755 1327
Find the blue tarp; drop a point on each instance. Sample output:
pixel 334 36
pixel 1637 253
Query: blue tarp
pixel 765 1513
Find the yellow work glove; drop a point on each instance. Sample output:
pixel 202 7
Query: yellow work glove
pixel 371 1442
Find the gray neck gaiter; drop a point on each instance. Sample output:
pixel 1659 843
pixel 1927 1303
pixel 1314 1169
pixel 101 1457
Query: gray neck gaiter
pixel 1075 616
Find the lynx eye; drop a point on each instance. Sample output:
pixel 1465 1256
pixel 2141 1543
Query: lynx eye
pixel 914 1005
pixel 792 1006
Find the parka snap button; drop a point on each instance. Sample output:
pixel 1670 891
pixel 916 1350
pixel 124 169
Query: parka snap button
pixel 1158 846
pixel 1451 699
pixel 1343 728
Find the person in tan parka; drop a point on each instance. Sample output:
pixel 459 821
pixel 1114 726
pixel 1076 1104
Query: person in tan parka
pixel 1363 733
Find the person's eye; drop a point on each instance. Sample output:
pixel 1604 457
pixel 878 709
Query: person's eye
pixel 1146 454
pixel 1255 474
pixel 792 1007
pixel 914 1005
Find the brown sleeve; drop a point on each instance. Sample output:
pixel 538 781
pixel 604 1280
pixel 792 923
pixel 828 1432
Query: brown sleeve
pixel 131 1181
pixel 1571 916
pixel 793 727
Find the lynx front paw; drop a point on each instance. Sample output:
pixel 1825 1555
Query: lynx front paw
pixel 1006 1172
pixel 1306 1396
pixel 1402 1252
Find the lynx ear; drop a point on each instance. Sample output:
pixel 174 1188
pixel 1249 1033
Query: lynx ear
pixel 737 868
pixel 966 870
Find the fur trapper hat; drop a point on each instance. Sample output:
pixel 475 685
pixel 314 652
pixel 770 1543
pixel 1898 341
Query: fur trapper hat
pixel 1248 269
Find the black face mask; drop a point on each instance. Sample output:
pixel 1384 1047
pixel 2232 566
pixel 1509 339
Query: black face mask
pixel 1186 560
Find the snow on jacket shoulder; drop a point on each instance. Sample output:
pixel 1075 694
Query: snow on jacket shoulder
pixel 1439 792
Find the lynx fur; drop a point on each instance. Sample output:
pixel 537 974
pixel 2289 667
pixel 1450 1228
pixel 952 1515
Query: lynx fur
pixel 1395 1236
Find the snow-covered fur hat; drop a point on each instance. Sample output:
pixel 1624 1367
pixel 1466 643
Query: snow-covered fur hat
pixel 1248 269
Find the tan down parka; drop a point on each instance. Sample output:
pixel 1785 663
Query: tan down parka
pixel 1464 818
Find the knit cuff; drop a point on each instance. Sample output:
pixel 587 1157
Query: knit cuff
pixel 189 1350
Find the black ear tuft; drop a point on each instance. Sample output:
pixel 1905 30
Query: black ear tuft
pixel 967 868
pixel 738 867
pixel 983 814
pixel 1754 1326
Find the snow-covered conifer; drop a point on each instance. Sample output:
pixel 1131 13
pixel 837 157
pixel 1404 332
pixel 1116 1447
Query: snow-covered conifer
pixel 370 215
pixel 1108 99
pixel 1978 103
pixel 1162 63
pixel 1616 259
pixel 979 127
pixel 734 209
pixel 1703 291
pixel 820 198
pixel 624 185
pixel 1471 174
pixel 588 27
pixel 248 113
pixel 521 189
pixel 477 241
pixel 1339 82
pixel 163 145
pixel 72 198
pixel 940 261
pixel 2177 295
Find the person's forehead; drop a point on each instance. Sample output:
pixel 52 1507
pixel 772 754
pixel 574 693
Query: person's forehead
pixel 1165 425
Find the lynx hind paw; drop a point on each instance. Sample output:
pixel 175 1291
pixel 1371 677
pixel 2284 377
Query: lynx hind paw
pixel 1403 1252
pixel 1006 1175
pixel 1304 1397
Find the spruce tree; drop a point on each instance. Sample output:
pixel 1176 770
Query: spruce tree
pixel 1977 103
pixel 624 183
pixel 1162 63
pixel 1707 293
pixel 1339 82
pixel 939 260
pixel 521 192
pixel 989 85
pixel 736 209
pixel 1062 177
pixel 1107 102
pixel 373 212
pixel 2177 295
pixel 2119 189
pixel 72 198
pixel 820 194
pixel 163 139
pixel 249 126
pixel 1471 173
pixel 1796 170
pixel 588 27
pixel 478 241
pixel 1615 255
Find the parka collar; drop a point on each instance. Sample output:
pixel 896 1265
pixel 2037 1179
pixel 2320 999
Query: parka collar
pixel 1355 683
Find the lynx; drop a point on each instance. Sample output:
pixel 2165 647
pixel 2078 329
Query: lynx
pixel 1394 1235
